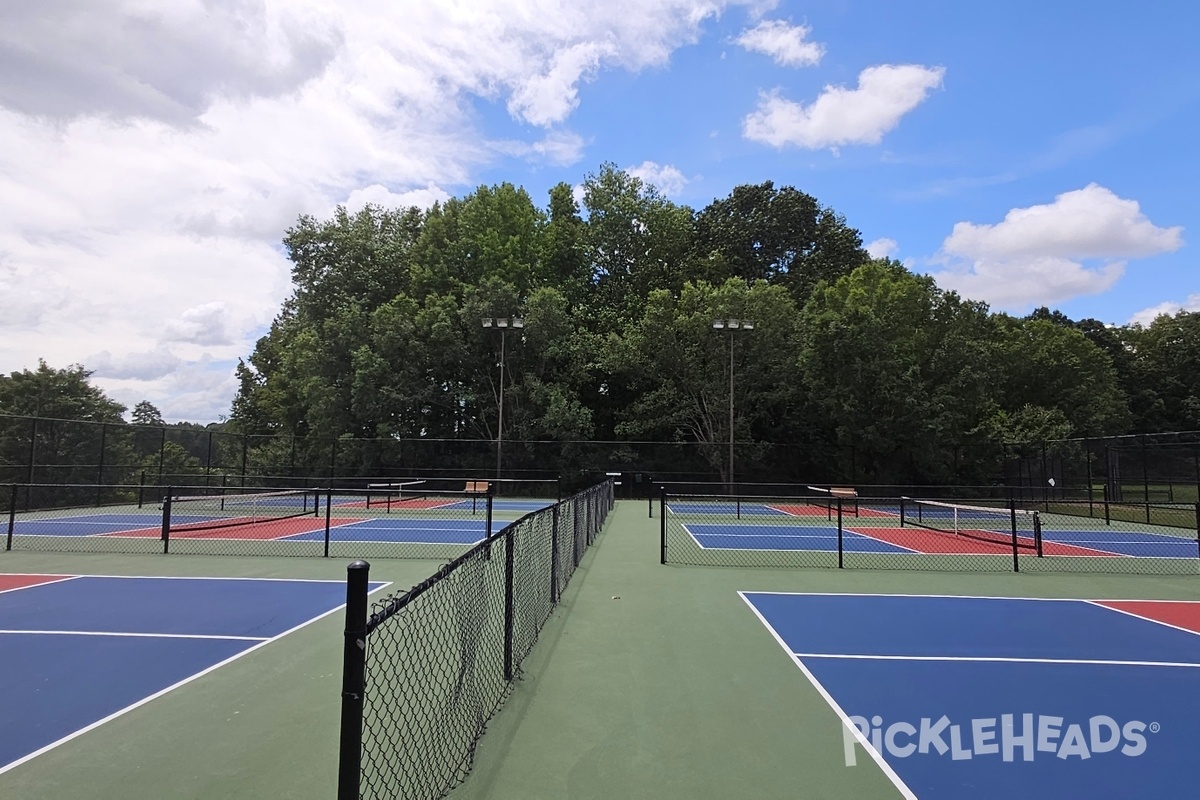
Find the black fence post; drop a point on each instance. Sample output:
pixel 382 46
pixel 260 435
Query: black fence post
pixel 1012 513
pixel 12 517
pixel 841 565
pixel 509 545
pixel 166 520
pixel 1107 513
pixel 650 499
pixel 487 534
pixel 554 554
pixel 141 488
pixel 100 466
pixel 328 511
pixel 1197 509
pixel 354 664
pixel 662 527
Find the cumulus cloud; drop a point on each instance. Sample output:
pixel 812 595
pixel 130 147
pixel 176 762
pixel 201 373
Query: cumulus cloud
pixel 1046 254
pixel 664 177
pixel 133 366
pixel 1169 308
pixel 785 44
pixel 206 324
pixel 384 197
pixel 841 116
pixel 882 248
pixel 152 155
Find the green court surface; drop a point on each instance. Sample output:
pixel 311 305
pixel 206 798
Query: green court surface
pixel 649 681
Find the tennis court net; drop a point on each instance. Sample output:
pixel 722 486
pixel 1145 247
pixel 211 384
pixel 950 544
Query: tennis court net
pixel 191 515
pixel 1008 528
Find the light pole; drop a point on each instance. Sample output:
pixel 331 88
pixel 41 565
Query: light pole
pixel 502 324
pixel 732 326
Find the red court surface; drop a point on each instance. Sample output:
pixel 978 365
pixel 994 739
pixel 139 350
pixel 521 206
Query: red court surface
pixel 1176 613
pixel 247 529
pixel 925 541
pixel 8 582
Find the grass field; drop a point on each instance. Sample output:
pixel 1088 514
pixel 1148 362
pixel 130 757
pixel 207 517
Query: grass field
pixel 649 681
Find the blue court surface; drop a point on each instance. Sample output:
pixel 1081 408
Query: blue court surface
pixel 989 698
pixel 1126 543
pixel 78 651
pixel 778 537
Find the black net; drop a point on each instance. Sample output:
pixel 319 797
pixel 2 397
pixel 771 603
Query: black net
pixel 1006 528
pixel 902 533
pixel 441 657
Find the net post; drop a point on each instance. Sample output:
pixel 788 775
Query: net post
pixel 1012 513
pixel 509 540
pixel 554 553
pixel 901 512
pixel 840 550
pixel 1197 521
pixel 1107 515
pixel 12 517
pixel 328 513
pixel 662 525
pixel 738 503
pixel 1037 533
pixel 166 520
pixel 141 487
pixel 354 661
pixel 487 534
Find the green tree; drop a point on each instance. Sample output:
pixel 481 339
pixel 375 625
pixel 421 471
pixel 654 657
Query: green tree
pixel 899 369
pixel 782 236
pixel 679 365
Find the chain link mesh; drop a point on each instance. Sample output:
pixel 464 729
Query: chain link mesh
pixel 441 657
pixel 901 533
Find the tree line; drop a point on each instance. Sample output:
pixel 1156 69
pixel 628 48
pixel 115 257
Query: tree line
pixel 851 359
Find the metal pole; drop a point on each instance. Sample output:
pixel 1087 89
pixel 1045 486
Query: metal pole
pixel 500 422
pixel 354 658
pixel 731 411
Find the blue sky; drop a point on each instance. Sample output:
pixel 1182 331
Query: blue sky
pixel 151 158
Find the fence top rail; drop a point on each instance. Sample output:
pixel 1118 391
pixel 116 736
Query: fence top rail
pixel 393 606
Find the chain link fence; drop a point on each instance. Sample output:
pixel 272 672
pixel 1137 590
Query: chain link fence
pixel 426 670
pixel 903 532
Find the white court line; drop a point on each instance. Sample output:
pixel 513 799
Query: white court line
pixel 58 579
pixel 136 635
pixel 1100 604
pixel 847 725
pixel 29 757
pixel 981 597
pixel 999 659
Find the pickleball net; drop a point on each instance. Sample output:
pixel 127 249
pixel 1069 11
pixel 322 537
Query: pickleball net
pixel 195 514
pixel 1005 527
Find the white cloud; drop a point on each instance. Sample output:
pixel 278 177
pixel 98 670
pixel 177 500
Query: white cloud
pixel 842 116
pixel 1168 308
pixel 882 248
pixel 206 324
pixel 378 195
pixel 153 155
pixel 665 177
pixel 133 366
pixel 1078 245
pixel 784 43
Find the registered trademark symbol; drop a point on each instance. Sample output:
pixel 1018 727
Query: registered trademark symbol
pixel 1155 727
